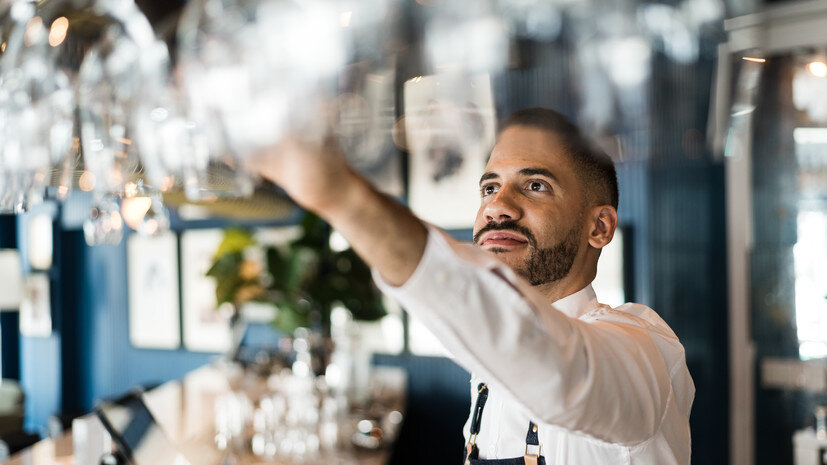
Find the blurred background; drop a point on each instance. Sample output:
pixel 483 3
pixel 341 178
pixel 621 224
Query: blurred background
pixel 135 249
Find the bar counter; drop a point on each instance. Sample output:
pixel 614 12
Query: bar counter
pixel 186 411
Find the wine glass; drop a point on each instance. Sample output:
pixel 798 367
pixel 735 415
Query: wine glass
pixel 36 109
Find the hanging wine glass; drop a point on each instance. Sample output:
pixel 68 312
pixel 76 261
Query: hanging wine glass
pixel 105 224
pixel 142 209
pixel 36 109
pixel 175 151
pixel 126 67
pixel 162 132
pixel 466 43
pixel 363 114
pixel 255 70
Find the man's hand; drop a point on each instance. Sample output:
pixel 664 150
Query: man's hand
pixel 383 232
pixel 315 177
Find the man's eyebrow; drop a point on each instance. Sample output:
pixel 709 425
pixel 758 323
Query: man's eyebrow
pixel 538 172
pixel 488 175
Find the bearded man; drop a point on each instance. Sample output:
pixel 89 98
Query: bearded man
pixel 558 378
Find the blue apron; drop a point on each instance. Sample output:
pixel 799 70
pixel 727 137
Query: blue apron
pixel 532 443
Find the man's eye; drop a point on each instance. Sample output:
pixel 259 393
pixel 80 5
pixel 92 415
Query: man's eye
pixel 537 186
pixel 489 189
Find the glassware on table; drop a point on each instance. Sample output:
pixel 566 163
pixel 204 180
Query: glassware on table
pixel 330 416
pixel 300 440
pixel 267 426
pixel 233 412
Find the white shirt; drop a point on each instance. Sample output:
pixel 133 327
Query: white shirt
pixel 604 385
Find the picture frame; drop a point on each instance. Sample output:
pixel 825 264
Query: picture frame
pixel 205 328
pixel 11 280
pixel 154 311
pixel 450 125
pixel 35 306
pixel 39 241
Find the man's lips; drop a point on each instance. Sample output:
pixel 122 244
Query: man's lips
pixel 502 239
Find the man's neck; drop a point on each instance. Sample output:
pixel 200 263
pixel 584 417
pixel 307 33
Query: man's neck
pixel 557 290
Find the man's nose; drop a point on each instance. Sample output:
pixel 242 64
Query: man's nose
pixel 503 207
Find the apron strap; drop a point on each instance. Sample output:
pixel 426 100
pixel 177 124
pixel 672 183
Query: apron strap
pixel 471 451
pixel 476 419
pixel 532 445
pixel 532 439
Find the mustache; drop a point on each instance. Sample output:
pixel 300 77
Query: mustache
pixel 508 225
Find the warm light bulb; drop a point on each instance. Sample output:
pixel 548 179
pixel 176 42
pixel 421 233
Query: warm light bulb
pixel 57 33
pixel 167 183
pixel 86 181
pixel 150 226
pixel 134 209
pixel 130 189
pixel 115 221
pixel 33 30
pixel 817 68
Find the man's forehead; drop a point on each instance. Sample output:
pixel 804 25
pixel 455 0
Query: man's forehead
pixel 519 147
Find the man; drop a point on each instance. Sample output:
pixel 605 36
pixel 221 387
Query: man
pixel 557 377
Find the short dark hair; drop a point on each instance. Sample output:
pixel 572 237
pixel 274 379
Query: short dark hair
pixel 593 167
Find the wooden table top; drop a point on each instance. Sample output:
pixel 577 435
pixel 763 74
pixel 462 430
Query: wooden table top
pixel 186 411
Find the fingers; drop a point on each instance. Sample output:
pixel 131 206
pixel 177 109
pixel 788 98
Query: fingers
pixel 262 164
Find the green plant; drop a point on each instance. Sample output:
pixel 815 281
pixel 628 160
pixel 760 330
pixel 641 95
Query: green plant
pixel 304 279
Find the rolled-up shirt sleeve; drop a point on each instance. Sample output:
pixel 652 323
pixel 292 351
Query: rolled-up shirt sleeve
pixel 604 377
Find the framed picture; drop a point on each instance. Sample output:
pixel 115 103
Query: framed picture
pixel 205 328
pixel 35 307
pixel 11 280
pixel 154 313
pixel 39 241
pixel 450 125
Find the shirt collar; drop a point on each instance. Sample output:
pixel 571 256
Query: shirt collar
pixel 577 304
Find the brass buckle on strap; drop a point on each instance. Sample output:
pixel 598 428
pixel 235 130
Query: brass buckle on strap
pixel 532 459
pixel 468 448
pixel 472 442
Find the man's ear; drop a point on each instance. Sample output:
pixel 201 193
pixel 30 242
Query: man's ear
pixel 602 223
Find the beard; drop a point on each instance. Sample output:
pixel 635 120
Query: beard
pixel 543 265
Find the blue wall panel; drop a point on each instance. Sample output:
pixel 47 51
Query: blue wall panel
pixel 687 244
pixel 115 365
pixel 40 379
pixel 89 356
pixel 40 357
